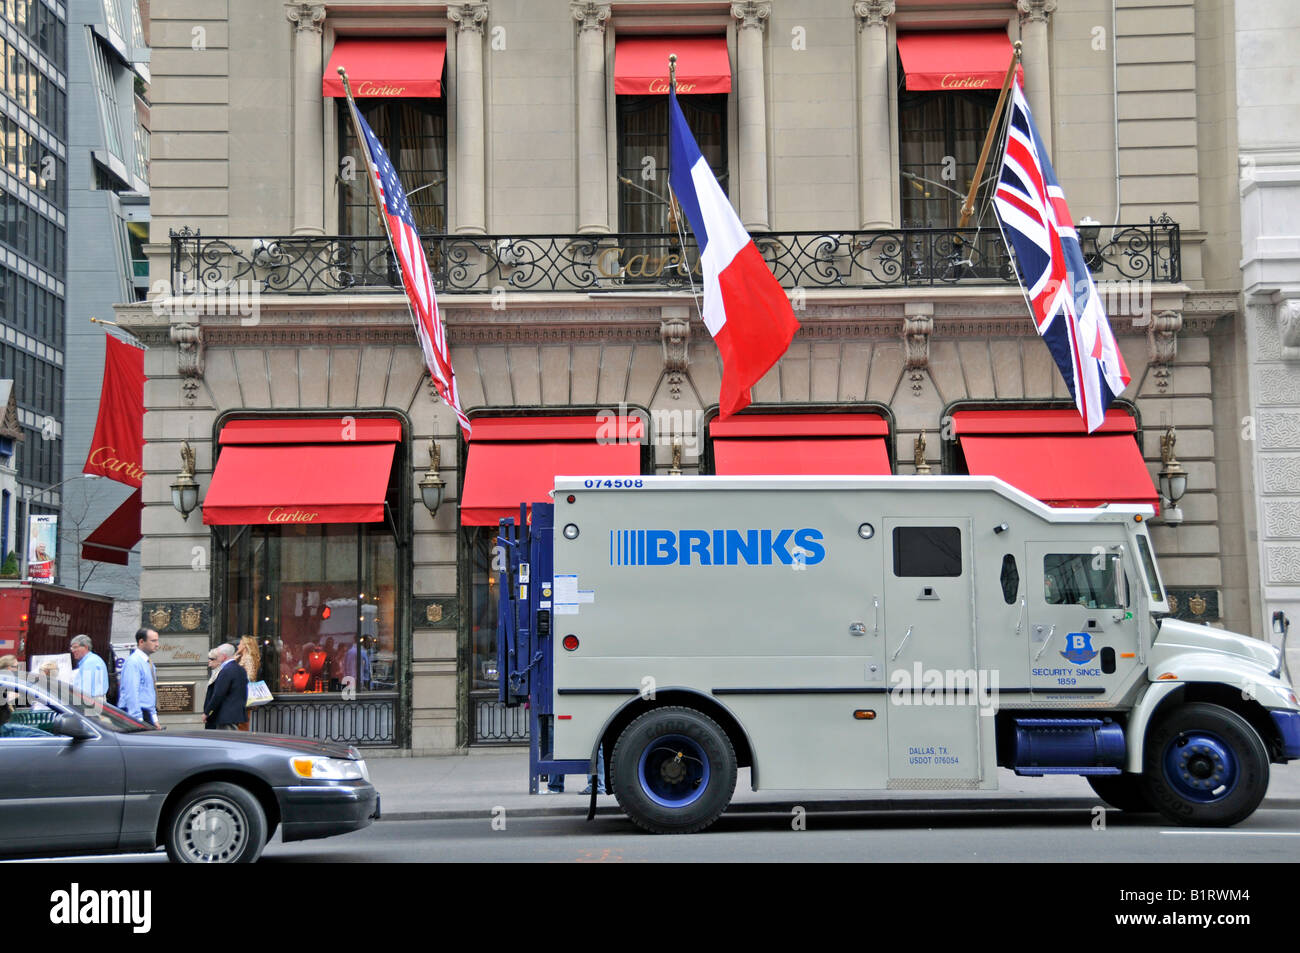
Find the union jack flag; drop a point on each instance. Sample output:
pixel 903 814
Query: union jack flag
pixel 414 267
pixel 1036 224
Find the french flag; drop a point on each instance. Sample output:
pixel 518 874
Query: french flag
pixel 745 309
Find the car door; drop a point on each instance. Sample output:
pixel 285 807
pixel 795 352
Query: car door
pixel 56 793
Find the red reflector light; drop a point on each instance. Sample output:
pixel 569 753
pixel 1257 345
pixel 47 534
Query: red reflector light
pixel 564 717
pixel 23 618
pixel 325 613
pixel 572 498
pixel 570 642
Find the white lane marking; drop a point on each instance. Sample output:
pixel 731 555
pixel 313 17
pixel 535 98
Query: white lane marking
pixel 1241 833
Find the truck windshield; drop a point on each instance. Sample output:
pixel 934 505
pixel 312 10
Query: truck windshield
pixel 1149 569
pixel 1082 579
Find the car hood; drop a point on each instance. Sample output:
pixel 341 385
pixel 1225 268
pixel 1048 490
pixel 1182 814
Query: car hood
pixel 327 749
pixel 1175 633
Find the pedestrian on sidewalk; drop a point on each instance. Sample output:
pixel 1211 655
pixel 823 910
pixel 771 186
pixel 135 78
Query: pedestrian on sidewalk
pixel 227 703
pixel 138 693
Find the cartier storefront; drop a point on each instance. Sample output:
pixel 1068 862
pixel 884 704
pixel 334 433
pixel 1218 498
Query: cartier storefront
pixel 311 560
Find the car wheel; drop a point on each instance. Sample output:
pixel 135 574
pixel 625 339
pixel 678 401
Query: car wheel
pixel 1205 765
pixel 216 823
pixel 674 771
pixel 1124 792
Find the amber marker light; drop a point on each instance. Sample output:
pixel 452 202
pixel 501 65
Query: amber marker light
pixel 1137 518
pixel 1128 655
pixel 1167 677
pixel 864 714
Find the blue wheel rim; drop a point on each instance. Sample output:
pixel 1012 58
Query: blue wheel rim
pixel 1200 766
pixel 673 771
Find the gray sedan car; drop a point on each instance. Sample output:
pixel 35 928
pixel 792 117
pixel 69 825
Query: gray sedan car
pixel 77 778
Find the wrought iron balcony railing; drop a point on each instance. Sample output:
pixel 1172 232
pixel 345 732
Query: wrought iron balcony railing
pixel 482 264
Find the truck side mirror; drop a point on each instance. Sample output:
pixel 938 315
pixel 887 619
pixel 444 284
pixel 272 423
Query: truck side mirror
pixel 1280 623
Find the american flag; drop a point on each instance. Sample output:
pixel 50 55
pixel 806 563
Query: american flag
pixel 414 267
pixel 1036 223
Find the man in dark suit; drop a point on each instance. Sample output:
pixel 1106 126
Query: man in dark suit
pixel 227 701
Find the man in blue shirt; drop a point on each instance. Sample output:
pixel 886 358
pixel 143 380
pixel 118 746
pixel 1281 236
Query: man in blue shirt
pixel 91 676
pixel 137 695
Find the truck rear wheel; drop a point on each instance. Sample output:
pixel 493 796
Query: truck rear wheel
pixel 1205 766
pixel 674 771
pixel 1125 792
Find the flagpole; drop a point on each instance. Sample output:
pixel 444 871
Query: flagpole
pixel 968 208
pixel 134 341
pixel 353 112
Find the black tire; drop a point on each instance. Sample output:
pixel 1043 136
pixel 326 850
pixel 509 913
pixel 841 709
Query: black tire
pixel 674 771
pixel 1125 792
pixel 1204 765
pixel 216 823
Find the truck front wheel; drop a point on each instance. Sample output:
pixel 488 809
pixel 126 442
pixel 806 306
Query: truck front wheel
pixel 1205 766
pixel 674 771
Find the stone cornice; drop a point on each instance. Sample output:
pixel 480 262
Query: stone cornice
pixel 289 320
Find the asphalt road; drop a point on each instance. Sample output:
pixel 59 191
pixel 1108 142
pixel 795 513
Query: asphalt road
pixel 913 836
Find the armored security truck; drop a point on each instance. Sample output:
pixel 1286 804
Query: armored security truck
pixel 905 633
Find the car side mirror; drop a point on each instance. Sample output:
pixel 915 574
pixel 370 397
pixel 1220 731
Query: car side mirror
pixel 70 726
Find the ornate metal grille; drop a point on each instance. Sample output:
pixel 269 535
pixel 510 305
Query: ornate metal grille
pixel 495 724
pixel 905 257
pixel 370 721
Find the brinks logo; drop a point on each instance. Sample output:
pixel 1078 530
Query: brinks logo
pixel 718 547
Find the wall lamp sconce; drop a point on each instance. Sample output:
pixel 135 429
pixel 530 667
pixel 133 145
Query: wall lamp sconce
pixel 1173 480
pixel 432 487
pixel 1089 231
pixel 185 491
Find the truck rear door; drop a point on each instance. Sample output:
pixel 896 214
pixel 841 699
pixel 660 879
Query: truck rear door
pixel 934 731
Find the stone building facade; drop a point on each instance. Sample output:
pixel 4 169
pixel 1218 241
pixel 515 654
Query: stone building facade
pixel 551 313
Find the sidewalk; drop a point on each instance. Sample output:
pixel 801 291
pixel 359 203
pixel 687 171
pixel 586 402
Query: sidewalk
pixel 472 785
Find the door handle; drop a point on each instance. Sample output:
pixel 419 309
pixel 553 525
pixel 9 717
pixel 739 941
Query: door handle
pixel 906 635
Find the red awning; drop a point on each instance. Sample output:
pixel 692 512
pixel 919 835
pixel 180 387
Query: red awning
pixel 296 471
pixel 1050 455
pixel 386 68
pixel 641 65
pixel 968 60
pixel 113 540
pixel 806 444
pixel 515 460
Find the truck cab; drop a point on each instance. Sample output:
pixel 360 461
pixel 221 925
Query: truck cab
pixel 890 633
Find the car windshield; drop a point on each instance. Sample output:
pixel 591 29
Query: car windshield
pixel 40 694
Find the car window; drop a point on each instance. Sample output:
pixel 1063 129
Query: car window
pixel 35 703
pixel 24 714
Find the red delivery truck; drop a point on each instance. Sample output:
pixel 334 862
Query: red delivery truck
pixel 41 619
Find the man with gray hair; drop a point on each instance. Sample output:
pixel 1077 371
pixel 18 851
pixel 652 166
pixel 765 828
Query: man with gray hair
pixel 91 676
pixel 227 703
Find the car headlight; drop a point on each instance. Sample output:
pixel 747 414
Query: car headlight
pixel 329 769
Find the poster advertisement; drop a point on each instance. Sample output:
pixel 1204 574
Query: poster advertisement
pixel 42 543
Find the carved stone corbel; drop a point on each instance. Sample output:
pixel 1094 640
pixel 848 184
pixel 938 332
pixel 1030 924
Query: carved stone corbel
pixel 918 323
pixel 188 339
pixel 1162 345
pixel 1288 326
pixel 675 335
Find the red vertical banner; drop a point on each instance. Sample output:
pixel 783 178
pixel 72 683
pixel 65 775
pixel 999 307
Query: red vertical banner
pixel 117 448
